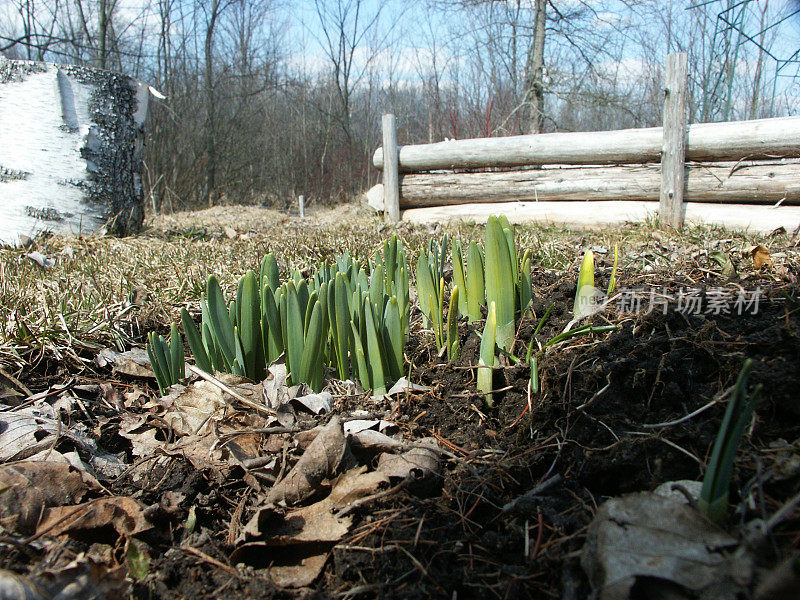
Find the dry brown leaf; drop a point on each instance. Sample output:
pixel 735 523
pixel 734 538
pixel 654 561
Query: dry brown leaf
pixel 300 541
pixel 318 462
pixel 94 575
pixel 374 442
pixel 417 463
pixel 34 487
pixel 40 259
pixel 133 363
pixel 121 514
pixel 18 587
pixel 194 407
pixel 22 435
pixel 661 545
pixel 760 255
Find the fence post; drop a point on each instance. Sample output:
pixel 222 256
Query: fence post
pixel 301 204
pixel 391 176
pixel 673 150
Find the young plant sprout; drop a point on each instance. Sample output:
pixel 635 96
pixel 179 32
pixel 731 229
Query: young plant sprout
pixel 430 294
pixel 612 283
pixel 459 277
pixel 584 294
pixel 486 361
pixel 452 325
pixel 476 290
pixel 500 281
pixel 714 494
pixel 166 358
pixel 358 324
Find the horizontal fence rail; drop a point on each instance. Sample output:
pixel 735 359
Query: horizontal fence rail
pixel 763 138
pixel 750 162
pixel 719 182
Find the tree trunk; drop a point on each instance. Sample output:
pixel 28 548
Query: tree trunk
pixel 759 64
pixel 210 141
pixel 71 142
pixel 534 76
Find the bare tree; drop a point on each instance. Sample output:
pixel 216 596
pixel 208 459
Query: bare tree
pixel 534 85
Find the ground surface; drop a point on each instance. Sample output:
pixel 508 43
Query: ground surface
pixel 602 419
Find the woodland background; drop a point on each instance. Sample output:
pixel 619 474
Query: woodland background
pixel 269 99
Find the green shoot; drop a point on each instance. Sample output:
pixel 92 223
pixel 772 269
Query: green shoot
pixel 612 283
pixel 584 294
pixel 714 495
pixel 452 325
pixel 500 281
pixel 166 358
pixel 486 361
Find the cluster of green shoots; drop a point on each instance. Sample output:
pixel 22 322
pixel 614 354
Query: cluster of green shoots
pixel 355 317
pixel 358 323
pixel 496 276
pixel 340 316
pixel 166 358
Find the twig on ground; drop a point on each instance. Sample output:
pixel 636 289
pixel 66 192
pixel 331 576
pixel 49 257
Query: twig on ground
pixel 211 560
pixel 214 381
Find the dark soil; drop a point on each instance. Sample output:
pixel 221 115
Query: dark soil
pixel 600 421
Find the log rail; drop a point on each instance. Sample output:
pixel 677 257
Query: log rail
pixel 741 162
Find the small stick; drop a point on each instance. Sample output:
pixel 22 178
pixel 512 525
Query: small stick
pixel 686 417
pixel 392 490
pixel 539 535
pixel 214 381
pixel 211 560
pixel 539 489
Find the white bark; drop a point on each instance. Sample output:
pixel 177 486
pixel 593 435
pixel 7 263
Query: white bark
pixel 56 162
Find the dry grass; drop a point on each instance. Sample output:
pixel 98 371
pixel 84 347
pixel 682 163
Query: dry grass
pixel 111 292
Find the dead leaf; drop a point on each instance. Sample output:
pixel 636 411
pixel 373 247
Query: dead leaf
pixel 318 462
pixel 192 407
pixel 760 255
pixel 93 575
pixel 11 388
pixel 274 385
pixel 299 542
pixel 318 404
pixel 40 259
pixel 19 587
pixel 22 436
pixel 34 429
pixel 120 514
pixel 403 385
pixel 33 487
pixel 417 463
pixel 657 545
pixel 141 433
pixel 370 440
pixel 230 232
pixel 358 425
pixel 133 363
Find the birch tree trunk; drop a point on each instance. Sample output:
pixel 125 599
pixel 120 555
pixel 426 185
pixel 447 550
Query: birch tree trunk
pixel 71 141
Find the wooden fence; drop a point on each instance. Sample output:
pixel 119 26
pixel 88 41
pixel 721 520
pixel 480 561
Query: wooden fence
pixel 743 174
